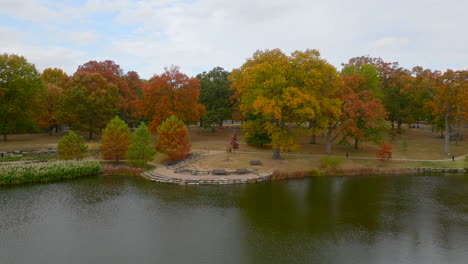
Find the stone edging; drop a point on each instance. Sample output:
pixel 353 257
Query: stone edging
pixel 154 176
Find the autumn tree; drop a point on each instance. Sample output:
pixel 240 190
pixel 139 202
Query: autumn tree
pixel 114 75
pixel 215 95
pixel 19 86
pixel 115 140
pixel 363 112
pixel 449 93
pixel 72 146
pixel 50 98
pixel 173 139
pixel 89 102
pixel 268 84
pixel 385 151
pixel 321 80
pixel 168 94
pixel 141 151
pixel 255 132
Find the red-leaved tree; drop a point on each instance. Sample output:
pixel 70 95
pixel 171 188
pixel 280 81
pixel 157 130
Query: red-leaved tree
pixel 385 152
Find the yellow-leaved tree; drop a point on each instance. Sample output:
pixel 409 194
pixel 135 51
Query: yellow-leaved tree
pixel 284 91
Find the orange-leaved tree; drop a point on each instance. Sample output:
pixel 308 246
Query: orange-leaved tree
pixel 385 151
pixel 173 139
pixel 171 93
pixel 115 140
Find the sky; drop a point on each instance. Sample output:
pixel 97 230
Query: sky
pixel 197 35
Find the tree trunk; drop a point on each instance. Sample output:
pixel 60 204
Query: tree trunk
pixel 51 130
pixel 90 134
pixel 329 141
pixel 313 138
pixel 4 137
pixel 447 133
pixel 201 123
pixel 355 143
pixel 393 124
pixel 399 125
pixel 276 154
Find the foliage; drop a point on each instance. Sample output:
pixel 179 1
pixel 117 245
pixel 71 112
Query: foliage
pixel 255 133
pixel 113 74
pixel 385 152
pixel 466 163
pixel 272 84
pixel 329 162
pixel 48 171
pixel 19 86
pixel 10 158
pixel 72 146
pixel 50 98
pixel 173 139
pixel 115 140
pixel 89 102
pixel 364 114
pixel 215 95
pixel 168 94
pixel 140 150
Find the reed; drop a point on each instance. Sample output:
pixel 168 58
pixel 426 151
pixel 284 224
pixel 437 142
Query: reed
pixel 48 171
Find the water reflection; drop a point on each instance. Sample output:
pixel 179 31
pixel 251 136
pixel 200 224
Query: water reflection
pixel 371 219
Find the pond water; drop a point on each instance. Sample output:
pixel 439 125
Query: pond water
pixel 372 219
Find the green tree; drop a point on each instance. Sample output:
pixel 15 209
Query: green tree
pixel 173 139
pixel 141 151
pixel 72 146
pixel 89 102
pixel 255 132
pixel 20 84
pixel 215 94
pixel 115 140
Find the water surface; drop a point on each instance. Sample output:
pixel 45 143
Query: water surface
pixel 372 219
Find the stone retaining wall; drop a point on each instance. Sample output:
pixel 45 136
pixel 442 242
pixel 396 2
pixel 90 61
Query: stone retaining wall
pixel 153 176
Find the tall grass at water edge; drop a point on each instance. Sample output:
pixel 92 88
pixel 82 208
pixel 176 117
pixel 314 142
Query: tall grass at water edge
pixel 48 171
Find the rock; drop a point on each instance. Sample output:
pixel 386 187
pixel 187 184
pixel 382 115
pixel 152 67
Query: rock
pixel 255 162
pixel 219 172
pixel 242 171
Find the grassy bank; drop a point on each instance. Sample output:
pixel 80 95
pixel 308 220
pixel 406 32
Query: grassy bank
pixel 47 171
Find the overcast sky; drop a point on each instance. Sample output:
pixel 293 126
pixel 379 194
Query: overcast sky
pixel 197 35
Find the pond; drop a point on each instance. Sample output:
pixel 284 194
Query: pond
pixel 371 219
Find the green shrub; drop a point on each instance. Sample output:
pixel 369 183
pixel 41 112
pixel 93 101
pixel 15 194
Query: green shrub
pixel 10 158
pixel 329 162
pixel 141 150
pixel 72 146
pixel 48 171
pixel 466 162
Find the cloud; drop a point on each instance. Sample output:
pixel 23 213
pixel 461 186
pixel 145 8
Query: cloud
pixel 388 42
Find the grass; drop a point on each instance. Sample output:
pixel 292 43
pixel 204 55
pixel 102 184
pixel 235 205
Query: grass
pixel 10 158
pixel 47 171
pixel 420 144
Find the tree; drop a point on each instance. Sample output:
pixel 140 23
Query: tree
pixel 168 94
pixel 140 150
pixel 19 86
pixel 114 74
pixel 50 98
pixel 255 132
pixel 385 152
pixel 115 140
pixel 268 84
pixel 173 139
pixel 364 114
pixel 449 93
pixel 215 95
pixel 72 146
pixel 89 102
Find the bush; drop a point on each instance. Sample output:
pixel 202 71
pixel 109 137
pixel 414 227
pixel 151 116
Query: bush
pixel 329 162
pixel 255 133
pixel 48 171
pixel 466 163
pixel 72 146
pixel 385 152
